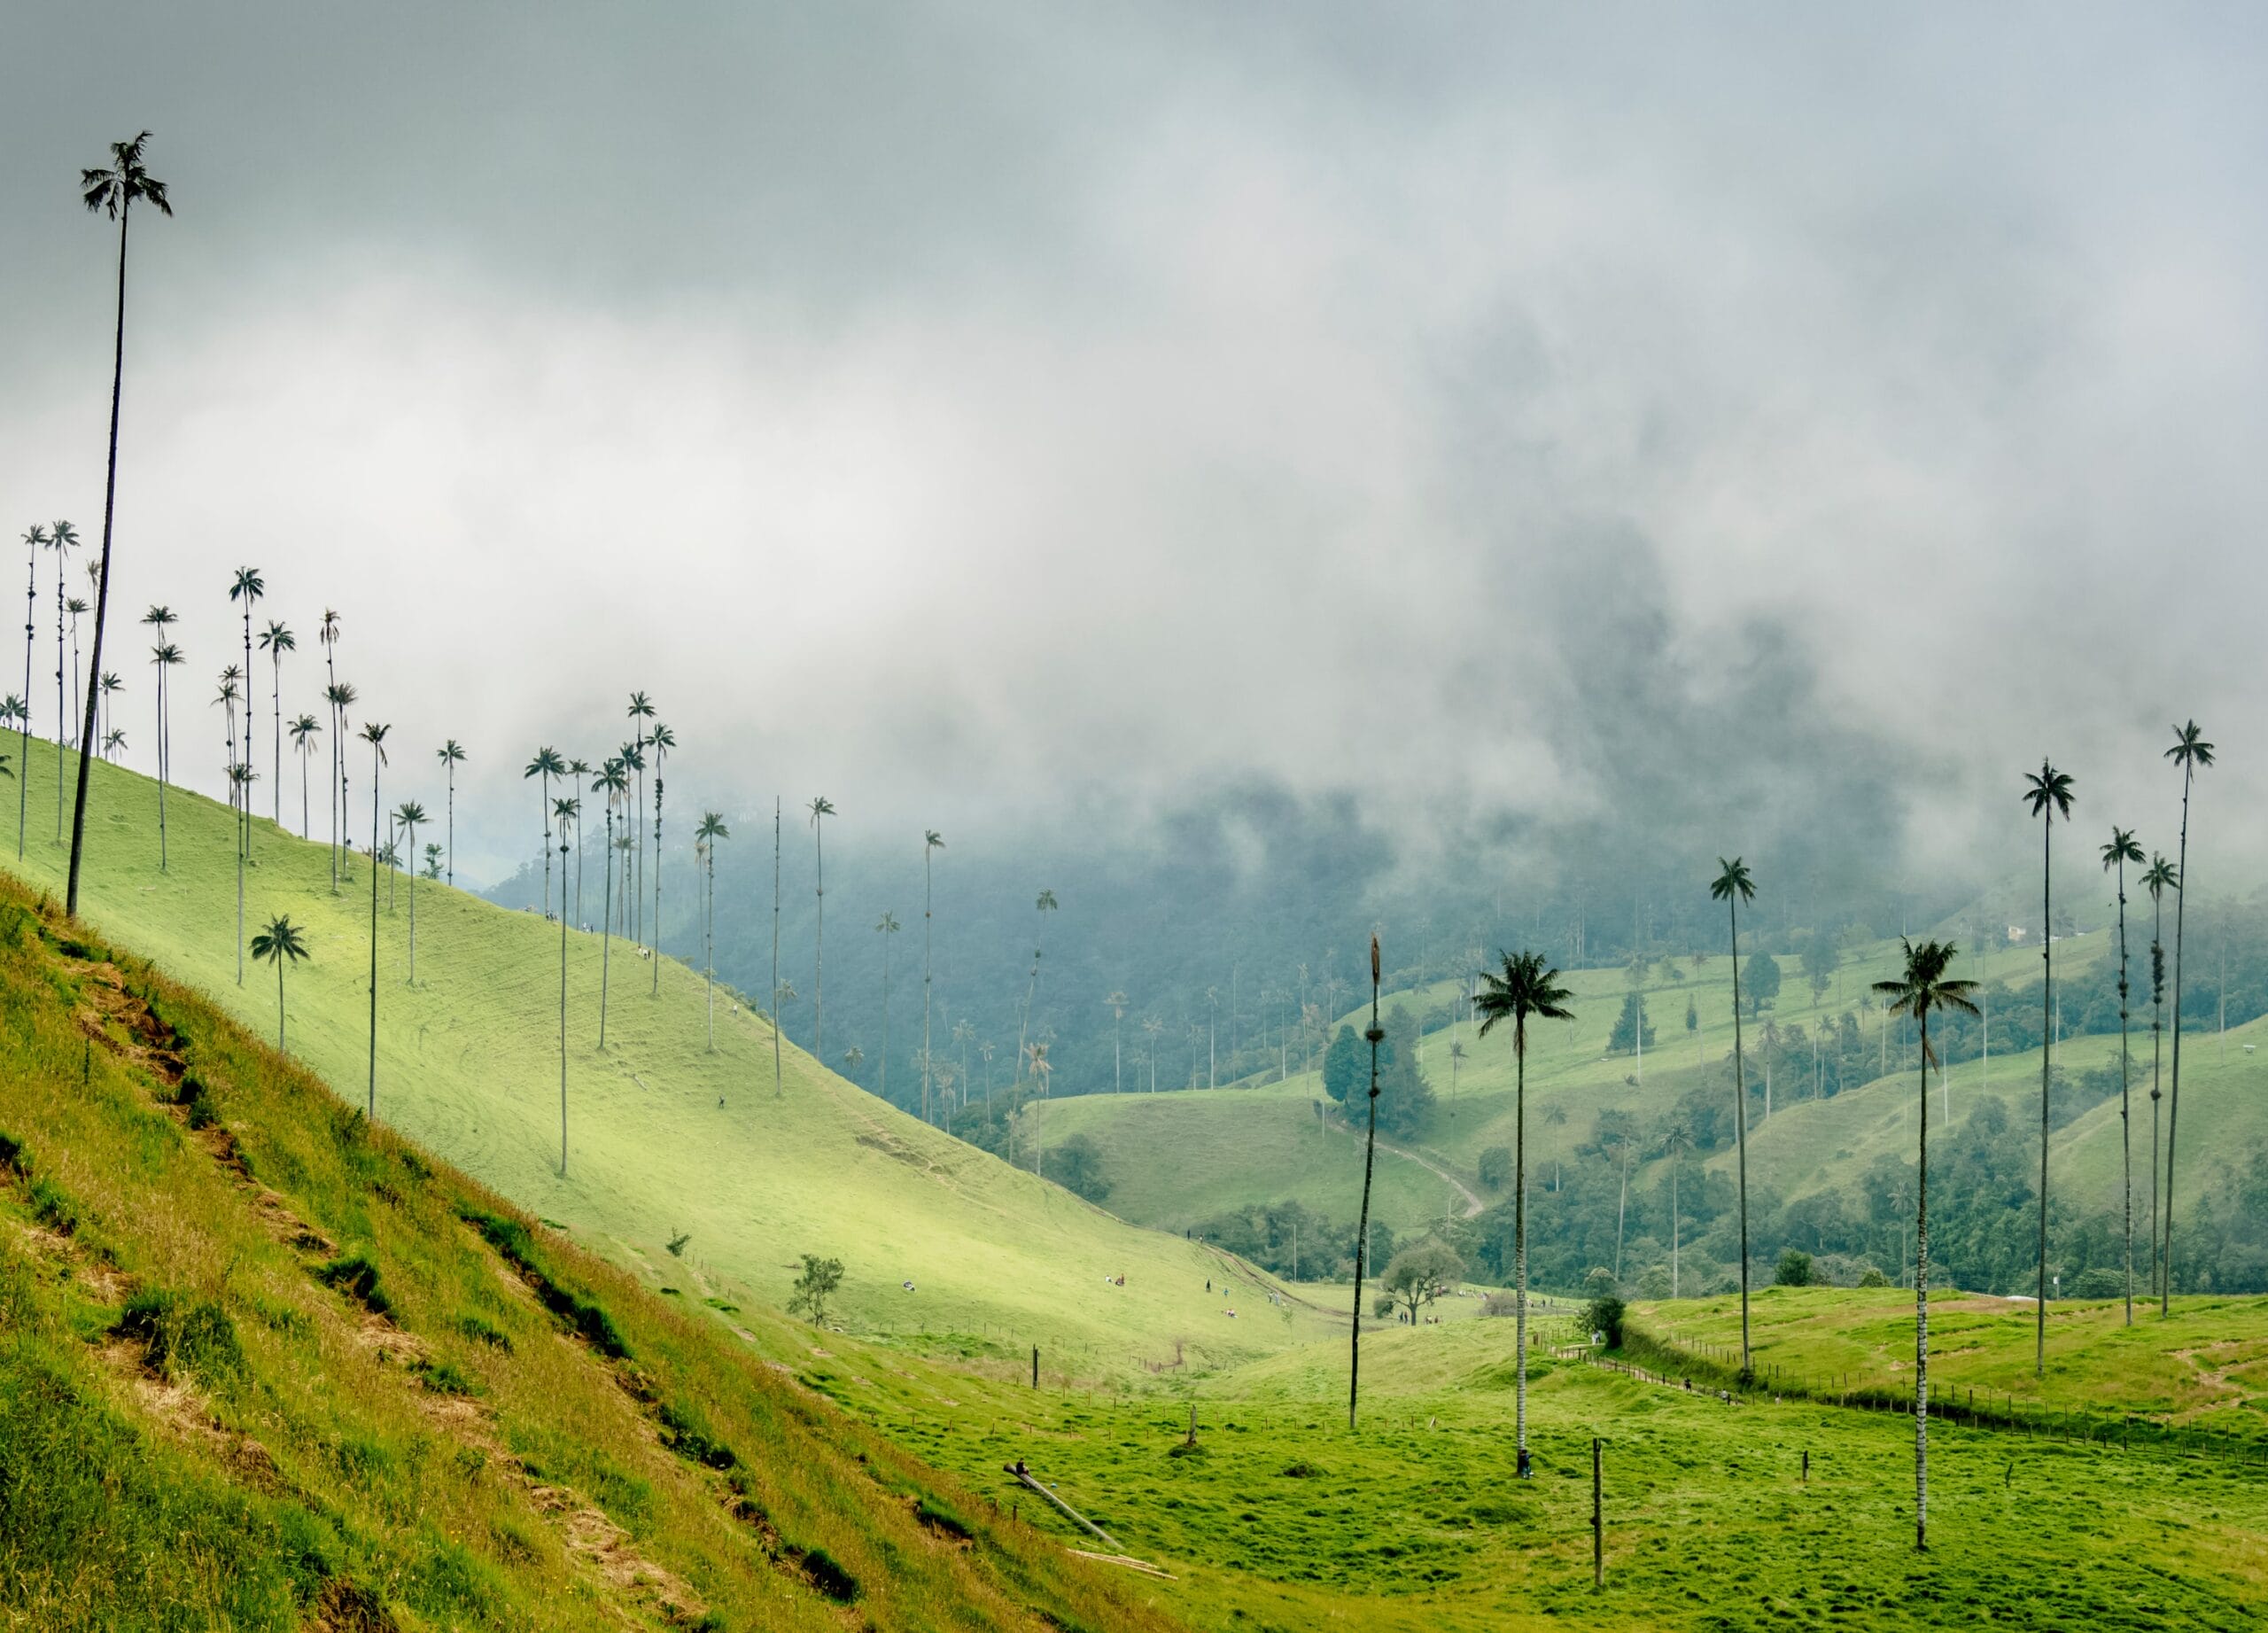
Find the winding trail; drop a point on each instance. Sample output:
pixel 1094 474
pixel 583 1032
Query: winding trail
pixel 1470 1199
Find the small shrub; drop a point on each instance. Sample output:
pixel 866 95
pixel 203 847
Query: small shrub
pixel 676 1244
pixel 1497 1167
pixel 1872 1278
pixel 178 1333
pixel 358 1278
pixel 1795 1268
pixel 1306 1471
pixel 1603 1314
pixel 197 1101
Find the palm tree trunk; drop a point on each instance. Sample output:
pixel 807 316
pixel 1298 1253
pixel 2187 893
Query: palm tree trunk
pixel 1921 1316
pixel 240 916
pixel 1520 1243
pixel 926 848
pixel 102 579
pixel 2125 1104
pixel 412 904
pixel 2173 1107
pixel 24 746
pixel 1363 1227
pixel 779 1081
pixel 818 950
pixel 2046 1000
pixel 279 1004
pixel 1673 1222
pixel 276 717
pixel 372 1110
pixel 657 991
pixel 543 784
pixel 562 1012
pixel 453 834
pixel 606 922
pixel 709 944
pixel 305 827
pixel 164 767
pixel 1740 1135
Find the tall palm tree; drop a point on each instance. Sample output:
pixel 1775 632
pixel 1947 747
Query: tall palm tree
pixel 451 754
pixel 35 539
pixel 115 742
pixel 75 606
pixel 613 780
pixel 1044 905
pixel 932 842
pixel 62 539
pixel 578 769
pixel 1921 987
pixel 546 765
pixel 165 656
pixel 778 1080
pixel 276 640
pixel 2159 879
pixel 1376 1035
pixel 328 636
pixel 2121 850
pixel 114 189
pixel 886 927
pixel 433 856
pixel 1527 989
pixel 111 685
pixel 1115 1002
pixel 662 740
pixel 712 828
pixel 240 777
pixel 1732 886
pixel 2190 751
pixel 410 815
pixel 569 813
pixel 2048 793
pixel 247 587
pixel 305 730
pixel 640 711
pixel 278 944
pixel 375 735
pixel 225 700
pixel 820 809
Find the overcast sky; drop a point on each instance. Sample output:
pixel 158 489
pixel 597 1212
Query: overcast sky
pixel 978 412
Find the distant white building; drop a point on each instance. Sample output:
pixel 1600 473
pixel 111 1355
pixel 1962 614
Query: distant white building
pixel 2015 933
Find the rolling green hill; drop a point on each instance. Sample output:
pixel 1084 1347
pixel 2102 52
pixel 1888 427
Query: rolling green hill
pixel 664 1136
pixel 266 1366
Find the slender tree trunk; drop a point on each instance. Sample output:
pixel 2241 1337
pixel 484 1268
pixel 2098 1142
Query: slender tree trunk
pixel 2047 1002
pixel 709 944
pixel 1921 1316
pixel 1740 1132
pixel 412 904
pixel 240 913
pixel 2125 1103
pixel 102 584
pixel 562 1007
pixel 24 745
pixel 305 825
pixel 657 991
pixel 1674 1222
pixel 1362 1228
pixel 606 922
pixel 543 785
pixel 1520 1243
pixel 279 1004
pixel 819 949
pixel 164 767
pixel 778 1081
pixel 453 837
pixel 275 719
pixel 2173 1107
pixel 926 849
pixel 373 1111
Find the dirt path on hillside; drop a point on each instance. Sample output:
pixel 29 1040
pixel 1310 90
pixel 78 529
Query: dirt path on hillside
pixel 1470 1199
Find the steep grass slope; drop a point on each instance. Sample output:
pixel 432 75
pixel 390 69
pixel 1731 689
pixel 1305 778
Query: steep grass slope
pixel 664 1136
pixel 266 1366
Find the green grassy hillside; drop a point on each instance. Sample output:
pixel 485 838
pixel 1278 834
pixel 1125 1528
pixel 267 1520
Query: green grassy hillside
pixel 664 1137
pixel 265 1365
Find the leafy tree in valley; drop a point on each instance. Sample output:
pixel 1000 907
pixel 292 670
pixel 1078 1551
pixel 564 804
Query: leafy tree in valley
pixel 1525 988
pixel 1078 1168
pixel 1495 1167
pixel 112 189
pixel 1763 979
pixel 1421 1273
pixel 2190 751
pixel 1820 959
pixel 1921 987
pixel 1795 1268
pixel 820 1280
pixel 278 944
pixel 1625 1037
pixel 1732 886
pixel 2049 796
pixel 1345 1067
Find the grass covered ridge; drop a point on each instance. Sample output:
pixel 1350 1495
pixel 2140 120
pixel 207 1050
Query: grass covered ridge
pixel 266 1366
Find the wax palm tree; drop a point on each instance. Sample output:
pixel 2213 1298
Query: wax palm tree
pixel 240 779
pixel 578 769
pixel 2159 879
pixel 1044 905
pixel 2191 752
pixel 375 735
pixel 451 754
pixel 279 944
pixel 613 780
pixel 778 1076
pixel 661 740
pixel 305 730
pixel 35 539
pixel 433 854
pixel 165 656
pixel 820 809
pixel 853 1058
pixel 111 685
pixel 932 842
pixel 640 711
pixel 1525 989
pixel 632 755
pixel 546 765
pixel 1732 886
pixel 1375 1035
pixel 1921 987
pixel 1116 1001
pixel 276 640
pixel 712 828
pixel 76 607
pixel 62 538
pixel 328 635
pixel 2121 850
pixel 886 927
pixel 114 190
pixel 247 587
pixel 115 742
pixel 2048 793
pixel 410 815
